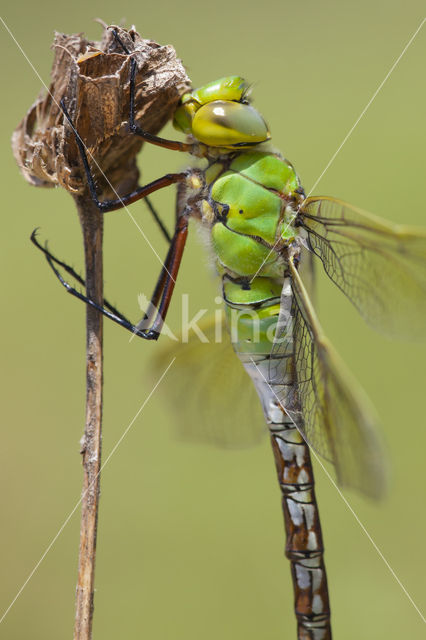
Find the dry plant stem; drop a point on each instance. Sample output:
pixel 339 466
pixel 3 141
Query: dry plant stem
pixel 93 78
pixel 92 226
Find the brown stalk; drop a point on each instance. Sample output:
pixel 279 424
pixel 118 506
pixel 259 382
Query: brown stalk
pixel 93 79
pixel 92 226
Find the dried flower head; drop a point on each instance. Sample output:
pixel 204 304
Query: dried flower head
pixel 93 79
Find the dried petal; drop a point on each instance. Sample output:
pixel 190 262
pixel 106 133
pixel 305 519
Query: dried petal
pixel 93 78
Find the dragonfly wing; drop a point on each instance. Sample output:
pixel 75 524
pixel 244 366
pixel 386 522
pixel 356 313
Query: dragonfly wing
pixel 328 406
pixel 210 395
pixel 381 267
pixel 307 273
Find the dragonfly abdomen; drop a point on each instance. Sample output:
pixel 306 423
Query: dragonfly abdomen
pixel 261 306
pixel 304 545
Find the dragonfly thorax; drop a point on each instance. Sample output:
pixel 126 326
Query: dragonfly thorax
pixel 248 204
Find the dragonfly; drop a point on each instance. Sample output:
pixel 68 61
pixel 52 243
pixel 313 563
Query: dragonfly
pixel 264 235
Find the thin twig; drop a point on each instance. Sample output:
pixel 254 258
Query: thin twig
pixel 93 80
pixel 92 227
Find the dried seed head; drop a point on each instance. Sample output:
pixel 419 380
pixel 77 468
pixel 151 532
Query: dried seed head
pixel 93 79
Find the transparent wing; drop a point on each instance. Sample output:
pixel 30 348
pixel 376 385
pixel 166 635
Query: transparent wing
pixel 327 404
pixel 381 267
pixel 307 273
pixel 211 397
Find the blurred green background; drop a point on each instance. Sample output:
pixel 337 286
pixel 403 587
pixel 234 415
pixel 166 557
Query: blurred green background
pixel 191 538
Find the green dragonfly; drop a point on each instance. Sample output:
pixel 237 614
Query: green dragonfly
pixel 264 234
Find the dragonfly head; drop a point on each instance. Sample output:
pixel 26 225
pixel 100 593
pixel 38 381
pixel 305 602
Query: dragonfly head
pixel 219 115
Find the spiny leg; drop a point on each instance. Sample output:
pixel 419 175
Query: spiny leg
pixel 120 42
pixel 174 145
pixel 162 292
pixel 53 259
pixel 164 288
pixel 137 194
pixel 157 219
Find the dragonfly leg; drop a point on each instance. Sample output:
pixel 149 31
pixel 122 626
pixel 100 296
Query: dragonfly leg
pixel 137 194
pixel 162 293
pixel 107 310
pixel 120 42
pixel 164 288
pixel 157 219
pixel 134 128
pixel 173 145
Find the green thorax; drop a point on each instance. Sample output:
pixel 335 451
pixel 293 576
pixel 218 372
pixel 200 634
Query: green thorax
pixel 251 205
pixel 253 195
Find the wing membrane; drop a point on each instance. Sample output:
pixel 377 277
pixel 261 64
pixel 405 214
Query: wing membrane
pixel 381 267
pixel 211 397
pixel 328 406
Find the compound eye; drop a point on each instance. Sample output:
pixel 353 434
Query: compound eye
pixel 229 88
pixel 182 120
pixel 225 124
